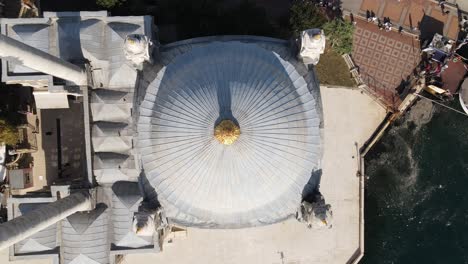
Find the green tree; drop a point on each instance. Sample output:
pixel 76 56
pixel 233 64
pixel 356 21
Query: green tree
pixel 8 133
pixel 339 35
pixel 109 3
pixel 305 15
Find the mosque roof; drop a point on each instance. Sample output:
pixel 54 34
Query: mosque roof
pixel 259 178
pixel 35 35
pixel 271 100
pixel 125 201
pixel 88 237
pixel 84 237
pixel 42 241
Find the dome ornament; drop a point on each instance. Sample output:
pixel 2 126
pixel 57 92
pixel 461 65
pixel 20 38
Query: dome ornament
pixel 227 132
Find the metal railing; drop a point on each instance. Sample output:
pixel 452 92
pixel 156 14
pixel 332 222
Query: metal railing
pixel 380 90
pixel 369 84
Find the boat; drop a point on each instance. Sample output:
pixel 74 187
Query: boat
pixel 463 96
pixel 436 91
pixel 2 162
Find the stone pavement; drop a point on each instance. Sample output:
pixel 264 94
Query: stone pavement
pixel 72 141
pixel 45 169
pixel 462 4
pixel 385 59
pixel 409 13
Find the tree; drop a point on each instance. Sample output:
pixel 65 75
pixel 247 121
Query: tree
pixel 8 133
pixel 305 15
pixel 340 35
pixel 109 3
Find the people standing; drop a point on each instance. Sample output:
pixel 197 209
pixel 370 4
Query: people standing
pixel 373 17
pixel 442 7
pixel 379 24
pixel 351 17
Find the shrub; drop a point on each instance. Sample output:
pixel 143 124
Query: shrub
pixel 339 35
pixel 8 133
pixel 109 3
pixel 305 15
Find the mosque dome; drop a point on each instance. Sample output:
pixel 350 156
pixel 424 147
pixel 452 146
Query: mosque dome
pixel 229 135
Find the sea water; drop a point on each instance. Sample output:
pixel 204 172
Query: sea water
pixel 417 192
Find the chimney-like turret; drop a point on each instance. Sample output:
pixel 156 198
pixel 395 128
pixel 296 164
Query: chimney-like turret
pixel 11 49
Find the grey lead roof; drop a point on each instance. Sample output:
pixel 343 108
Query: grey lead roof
pixel 260 178
pixel 111 106
pixel 102 44
pixel 257 181
pixel 94 37
pixel 35 35
pixel 128 193
pixel 85 233
pixel 126 198
pixel 44 240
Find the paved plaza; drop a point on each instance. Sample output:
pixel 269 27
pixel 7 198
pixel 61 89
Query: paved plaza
pixel 410 13
pixel 385 59
pixel 46 163
pixel 71 141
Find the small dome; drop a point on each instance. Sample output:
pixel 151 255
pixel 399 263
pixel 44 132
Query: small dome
pixel 255 103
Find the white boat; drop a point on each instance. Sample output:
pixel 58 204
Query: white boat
pixel 463 96
pixel 2 162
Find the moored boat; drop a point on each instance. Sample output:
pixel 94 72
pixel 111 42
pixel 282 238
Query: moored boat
pixel 463 96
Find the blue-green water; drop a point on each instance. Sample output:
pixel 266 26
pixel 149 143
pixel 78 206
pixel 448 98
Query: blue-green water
pixel 417 193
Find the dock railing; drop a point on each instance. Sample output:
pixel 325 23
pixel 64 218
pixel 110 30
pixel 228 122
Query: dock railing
pixel 359 254
pixel 362 80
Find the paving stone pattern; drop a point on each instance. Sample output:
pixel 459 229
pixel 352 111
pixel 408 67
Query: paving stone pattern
pixel 410 13
pixel 384 58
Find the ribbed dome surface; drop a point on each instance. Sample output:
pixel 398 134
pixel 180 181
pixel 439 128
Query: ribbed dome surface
pixel 258 179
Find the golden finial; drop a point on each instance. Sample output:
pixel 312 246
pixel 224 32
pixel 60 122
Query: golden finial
pixel 226 132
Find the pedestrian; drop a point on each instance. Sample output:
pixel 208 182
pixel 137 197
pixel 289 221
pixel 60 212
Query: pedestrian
pixel 464 23
pixel 368 17
pixel 351 17
pixel 373 16
pixel 400 29
pixel 379 24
